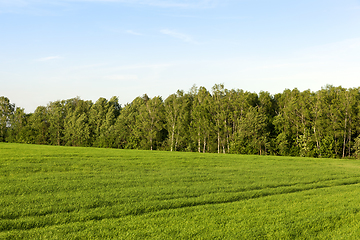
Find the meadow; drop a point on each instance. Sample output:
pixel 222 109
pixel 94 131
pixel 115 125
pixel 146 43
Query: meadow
pixel 50 192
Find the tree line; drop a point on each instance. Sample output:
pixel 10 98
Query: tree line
pixel 325 123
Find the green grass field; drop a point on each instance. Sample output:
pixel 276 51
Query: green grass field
pixel 52 192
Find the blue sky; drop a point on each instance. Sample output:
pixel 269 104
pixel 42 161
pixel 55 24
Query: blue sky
pixel 59 49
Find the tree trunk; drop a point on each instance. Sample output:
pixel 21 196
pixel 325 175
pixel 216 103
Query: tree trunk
pixel 316 139
pixel 228 145
pixel 218 142
pixel 172 137
pixel 199 142
pixel 349 139
pixel 204 145
pixel 58 138
pixel 344 145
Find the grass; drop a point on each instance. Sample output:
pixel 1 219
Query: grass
pixel 52 192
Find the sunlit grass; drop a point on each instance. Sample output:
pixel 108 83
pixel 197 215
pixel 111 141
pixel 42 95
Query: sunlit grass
pixel 64 193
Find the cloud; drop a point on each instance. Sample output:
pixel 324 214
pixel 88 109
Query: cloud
pixel 133 33
pixel 346 49
pixel 122 77
pixel 12 2
pixel 181 3
pixel 144 66
pixel 48 58
pixel 156 3
pixel 163 3
pixel 181 36
pixel 212 17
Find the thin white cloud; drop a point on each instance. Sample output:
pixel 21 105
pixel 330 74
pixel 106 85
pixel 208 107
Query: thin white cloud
pixel 122 77
pixel 181 36
pixel 89 66
pixel 13 2
pixel 133 33
pixel 48 58
pixel 207 17
pixel 156 3
pixel 144 66
pixel 346 49
pixel 162 3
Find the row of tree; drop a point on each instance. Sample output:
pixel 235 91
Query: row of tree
pixel 325 123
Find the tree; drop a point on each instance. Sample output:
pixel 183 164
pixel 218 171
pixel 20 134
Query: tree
pixel 252 135
pixel 268 106
pixel 283 124
pixel 292 120
pixel 97 116
pixel 56 116
pixel 76 125
pixel 220 111
pixel 318 126
pixel 201 120
pixel 348 99
pixel 6 111
pixel 40 125
pixel 127 127
pixel 177 111
pixel 303 112
pixel 334 116
pixel 151 120
pixel 356 147
pixel 107 137
pixel 240 103
pixel 18 130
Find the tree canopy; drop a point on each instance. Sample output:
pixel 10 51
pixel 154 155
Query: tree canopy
pixel 325 123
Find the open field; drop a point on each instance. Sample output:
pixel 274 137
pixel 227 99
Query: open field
pixel 52 192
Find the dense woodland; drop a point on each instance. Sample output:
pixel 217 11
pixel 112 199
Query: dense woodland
pixel 325 123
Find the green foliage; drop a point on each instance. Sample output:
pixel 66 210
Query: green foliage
pixel 51 192
pixel 177 114
pixel 356 148
pixel 6 111
pixel 327 147
pixel 18 130
pixel 77 124
pixel 40 125
pixel 56 117
pixel 282 144
pixel 201 121
pixel 293 123
pixel 151 121
pixel 252 134
pixel 104 114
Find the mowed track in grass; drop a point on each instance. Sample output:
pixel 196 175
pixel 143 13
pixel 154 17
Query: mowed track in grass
pixel 52 192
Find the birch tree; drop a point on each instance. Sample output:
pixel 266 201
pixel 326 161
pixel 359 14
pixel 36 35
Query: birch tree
pixel 127 127
pixel 177 119
pixel 201 120
pixel 151 119
pixel 220 111
pixel 40 125
pixel 56 116
pixel 19 130
pixel 77 127
pixel 252 133
pixel 6 111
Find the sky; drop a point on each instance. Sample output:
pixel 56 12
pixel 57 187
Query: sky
pixel 59 49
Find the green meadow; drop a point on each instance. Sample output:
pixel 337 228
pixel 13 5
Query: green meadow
pixel 49 192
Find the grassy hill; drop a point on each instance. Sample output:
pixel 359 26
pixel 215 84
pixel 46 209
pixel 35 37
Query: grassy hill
pixel 52 192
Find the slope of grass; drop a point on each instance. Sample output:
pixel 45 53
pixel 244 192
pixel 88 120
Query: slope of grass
pixel 82 193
